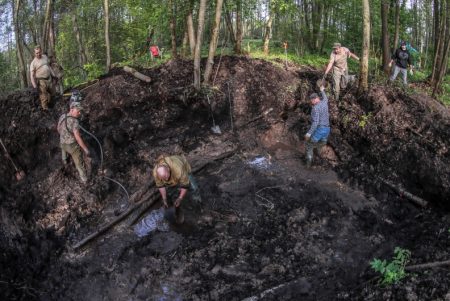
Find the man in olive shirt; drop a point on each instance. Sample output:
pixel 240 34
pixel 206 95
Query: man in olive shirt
pixel 175 171
pixel 338 61
pixel 41 76
pixel 70 139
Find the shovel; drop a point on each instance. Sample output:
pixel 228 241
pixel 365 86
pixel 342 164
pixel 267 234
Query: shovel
pixel 174 217
pixel 20 174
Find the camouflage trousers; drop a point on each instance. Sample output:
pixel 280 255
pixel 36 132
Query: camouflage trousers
pixel 339 81
pixel 77 156
pixel 45 91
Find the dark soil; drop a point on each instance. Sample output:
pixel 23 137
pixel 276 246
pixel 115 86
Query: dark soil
pixel 274 230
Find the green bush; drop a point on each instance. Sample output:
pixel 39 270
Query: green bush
pixel 393 271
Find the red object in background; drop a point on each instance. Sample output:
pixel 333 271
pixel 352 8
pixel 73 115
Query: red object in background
pixel 154 51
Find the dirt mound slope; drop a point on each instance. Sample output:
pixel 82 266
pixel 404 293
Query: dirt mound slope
pixel 265 221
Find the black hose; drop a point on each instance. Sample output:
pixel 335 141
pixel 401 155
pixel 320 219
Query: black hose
pixel 101 156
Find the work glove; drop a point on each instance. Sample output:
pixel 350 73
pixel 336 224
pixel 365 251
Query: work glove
pixel 307 137
pixel 411 72
pixel 390 64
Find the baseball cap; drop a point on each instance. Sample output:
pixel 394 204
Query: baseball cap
pixel 76 105
pixel 312 96
pixel 336 45
pixel 403 43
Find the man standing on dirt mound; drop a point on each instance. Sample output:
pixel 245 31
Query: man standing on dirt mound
pixel 41 77
pixel 175 171
pixel 320 127
pixel 402 60
pixel 70 139
pixel 338 61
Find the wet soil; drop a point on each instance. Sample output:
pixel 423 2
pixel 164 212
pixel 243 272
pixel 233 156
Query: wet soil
pixel 266 227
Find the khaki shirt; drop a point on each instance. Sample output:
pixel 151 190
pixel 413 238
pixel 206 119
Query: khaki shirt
pixel 340 60
pixel 66 126
pixel 41 67
pixel 179 171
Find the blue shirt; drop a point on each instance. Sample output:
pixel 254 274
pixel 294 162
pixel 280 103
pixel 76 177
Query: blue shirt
pixel 319 114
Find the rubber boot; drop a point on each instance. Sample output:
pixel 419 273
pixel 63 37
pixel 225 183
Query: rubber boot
pixel 309 153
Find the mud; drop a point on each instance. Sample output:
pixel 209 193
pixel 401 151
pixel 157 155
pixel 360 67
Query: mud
pixel 267 227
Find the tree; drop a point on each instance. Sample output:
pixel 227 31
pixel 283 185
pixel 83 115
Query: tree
pixel 268 30
pixel 442 50
pixel 19 46
pixel 213 42
pixel 396 24
pixel 172 25
pixel 82 57
pixel 364 64
pixel 385 36
pixel 190 27
pixel 198 44
pixel 238 44
pixel 108 45
pixel 48 38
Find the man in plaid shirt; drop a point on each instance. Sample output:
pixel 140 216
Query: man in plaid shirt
pixel 320 127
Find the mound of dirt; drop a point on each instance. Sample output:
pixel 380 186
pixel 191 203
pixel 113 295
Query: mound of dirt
pixel 266 227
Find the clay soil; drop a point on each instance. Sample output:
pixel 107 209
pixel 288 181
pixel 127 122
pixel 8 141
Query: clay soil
pixel 266 227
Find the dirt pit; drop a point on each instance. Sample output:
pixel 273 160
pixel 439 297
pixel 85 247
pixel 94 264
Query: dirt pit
pixel 267 228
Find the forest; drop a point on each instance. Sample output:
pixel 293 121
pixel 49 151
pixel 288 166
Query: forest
pixel 225 150
pixel 86 38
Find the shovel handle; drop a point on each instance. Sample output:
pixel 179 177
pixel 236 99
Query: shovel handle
pixel 7 155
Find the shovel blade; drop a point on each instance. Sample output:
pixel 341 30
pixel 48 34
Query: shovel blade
pixel 216 130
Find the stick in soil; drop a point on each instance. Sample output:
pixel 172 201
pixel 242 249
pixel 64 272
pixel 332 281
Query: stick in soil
pixel 402 192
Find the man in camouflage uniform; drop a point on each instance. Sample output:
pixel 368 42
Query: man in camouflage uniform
pixel 338 61
pixel 175 171
pixel 41 77
pixel 70 139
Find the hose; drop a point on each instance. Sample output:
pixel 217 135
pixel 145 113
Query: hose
pixel 101 156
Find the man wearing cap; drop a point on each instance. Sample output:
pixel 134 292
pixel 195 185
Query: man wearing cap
pixel 41 76
pixel 175 171
pixel 402 60
pixel 318 133
pixel 338 61
pixel 70 139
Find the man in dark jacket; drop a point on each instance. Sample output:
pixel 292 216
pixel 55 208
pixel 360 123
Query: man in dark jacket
pixel 402 59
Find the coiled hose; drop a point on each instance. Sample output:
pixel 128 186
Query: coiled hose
pixel 101 156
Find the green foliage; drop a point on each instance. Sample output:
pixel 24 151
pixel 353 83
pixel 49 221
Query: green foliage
pixel 364 119
pixel 392 272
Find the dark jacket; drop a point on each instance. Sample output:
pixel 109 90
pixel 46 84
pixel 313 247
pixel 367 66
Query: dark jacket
pixel 402 58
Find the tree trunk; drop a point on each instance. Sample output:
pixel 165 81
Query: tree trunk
pixel 396 24
pixel 436 11
pixel 213 42
pixel 229 24
pixel 108 45
pixel 317 9
pixel 19 46
pixel 440 48
pixel 46 28
pixel 184 44
pixel 190 28
pixel 268 30
pixel 82 57
pixel 441 61
pixel 198 44
pixel 238 44
pixel 385 36
pixel 364 64
pixel 172 25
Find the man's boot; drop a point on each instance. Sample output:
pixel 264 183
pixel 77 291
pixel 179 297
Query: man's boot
pixel 309 153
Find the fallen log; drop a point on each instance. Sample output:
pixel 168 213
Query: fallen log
pixel 143 195
pixel 153 199
pixel 137 74
pixel 402 192
pixel 106 227
pixel 427 265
